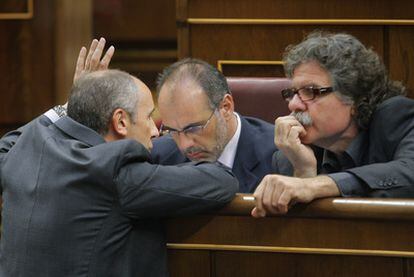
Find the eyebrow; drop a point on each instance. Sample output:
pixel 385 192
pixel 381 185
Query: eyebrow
pixel 185 127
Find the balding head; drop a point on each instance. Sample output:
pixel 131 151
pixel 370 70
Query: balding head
pixel 95 96
pixel 194 73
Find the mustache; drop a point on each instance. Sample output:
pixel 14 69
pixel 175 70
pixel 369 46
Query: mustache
pixel 303 118
pixel 191 150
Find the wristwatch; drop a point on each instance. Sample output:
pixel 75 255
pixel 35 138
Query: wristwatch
pixel 60 110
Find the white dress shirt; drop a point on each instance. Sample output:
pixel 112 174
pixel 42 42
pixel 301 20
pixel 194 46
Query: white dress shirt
pixel 229 152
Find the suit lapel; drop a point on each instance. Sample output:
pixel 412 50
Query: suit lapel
pixel 246 159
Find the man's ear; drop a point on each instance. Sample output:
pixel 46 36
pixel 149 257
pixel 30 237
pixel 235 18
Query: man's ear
pixel 227 106
pixel 120 123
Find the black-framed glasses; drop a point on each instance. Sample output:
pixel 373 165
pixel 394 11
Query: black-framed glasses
pixel 192 129
pixel 306 93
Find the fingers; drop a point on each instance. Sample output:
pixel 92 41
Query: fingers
pixel 80 63
pixel 96 55
pixel 104 64
pixel 284 201
pixel 259 210
pixel 270 193
pixel 295 133
pixel 92 48
pixel 283 126
pixel 89 61
pixel 273 196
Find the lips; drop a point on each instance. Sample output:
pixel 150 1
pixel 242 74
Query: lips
pixel 195 155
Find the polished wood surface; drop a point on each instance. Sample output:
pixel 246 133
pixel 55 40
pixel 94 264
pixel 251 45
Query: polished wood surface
pixel 249 30
pixel 143 32
pixel 328 237
pixel 37 56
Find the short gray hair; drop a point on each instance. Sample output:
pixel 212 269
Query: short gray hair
pixel 212 82
pixel 357 73
pixel 95 96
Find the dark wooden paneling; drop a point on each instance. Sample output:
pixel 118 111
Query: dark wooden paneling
pixel 409 268
pixel 143 32
pixel 327 237
pixel 250 264
pixel 248 70
pixel 380 9
pixel 189 263
pixel 131 20
pixel 26 65
pixel 401 55
pixel 264 42
pixel 388 28
pixel 14 6
pixel 294 232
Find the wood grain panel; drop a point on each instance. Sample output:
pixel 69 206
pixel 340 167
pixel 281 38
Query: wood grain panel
pixel 401 61
pixel 409 267
pixel 398 9
pixel 265 264
pixel 26 64
pixel 70 15
pixel 131 20
pixel 264 42
pixel 14 6
pixel 189 263
pixel 293 232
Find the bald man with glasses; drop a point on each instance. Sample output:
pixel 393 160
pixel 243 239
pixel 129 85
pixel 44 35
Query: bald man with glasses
pixel 200 124
pixel 350 133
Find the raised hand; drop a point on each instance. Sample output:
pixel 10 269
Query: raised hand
pixel 288 131
pixel 92 61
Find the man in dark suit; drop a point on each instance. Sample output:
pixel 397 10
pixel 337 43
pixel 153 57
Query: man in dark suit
pixel 351 132
pixel 81 197
pixel 199 123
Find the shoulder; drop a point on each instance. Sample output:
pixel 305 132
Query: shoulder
pixel 395 111
pixel 257 125
pixel 258 134
pixel 392 122
pixel 166 152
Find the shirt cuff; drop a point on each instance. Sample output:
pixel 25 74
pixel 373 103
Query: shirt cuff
pixel 52 115
pixel 56 112
pixel 348 184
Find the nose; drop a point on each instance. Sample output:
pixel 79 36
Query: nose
pixel 296 104
pixel 154 130
pixel 183 141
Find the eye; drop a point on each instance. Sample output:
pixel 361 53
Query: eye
pixel 193 129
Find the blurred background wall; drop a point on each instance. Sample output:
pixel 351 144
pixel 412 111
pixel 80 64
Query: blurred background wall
pixel 40 39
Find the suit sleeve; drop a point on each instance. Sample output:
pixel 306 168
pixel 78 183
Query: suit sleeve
pixel 9 139
pixel 148 190
pixel 392 149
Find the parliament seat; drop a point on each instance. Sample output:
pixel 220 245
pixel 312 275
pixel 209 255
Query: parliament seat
pixel 259 96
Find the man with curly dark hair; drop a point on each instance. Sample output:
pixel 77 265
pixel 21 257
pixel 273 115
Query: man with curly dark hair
pixel 351 130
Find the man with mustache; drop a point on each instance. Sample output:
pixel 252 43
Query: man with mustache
pixel 199 124
pixel 350 133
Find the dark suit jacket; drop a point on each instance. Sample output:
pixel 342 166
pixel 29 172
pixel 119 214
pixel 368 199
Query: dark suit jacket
pixel 75 205
pixel 386 163
pixel 253 158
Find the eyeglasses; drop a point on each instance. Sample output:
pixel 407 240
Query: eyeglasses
pixel 195 129
pixel 305 93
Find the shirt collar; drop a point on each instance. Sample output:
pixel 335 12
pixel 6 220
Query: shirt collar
pixel 352 156
pixel 79 131
pixel 229 152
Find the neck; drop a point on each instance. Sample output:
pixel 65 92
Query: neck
pixel 231 127
pixel 340 142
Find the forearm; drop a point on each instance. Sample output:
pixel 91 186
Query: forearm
pixel 304 172
pixel 322 186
